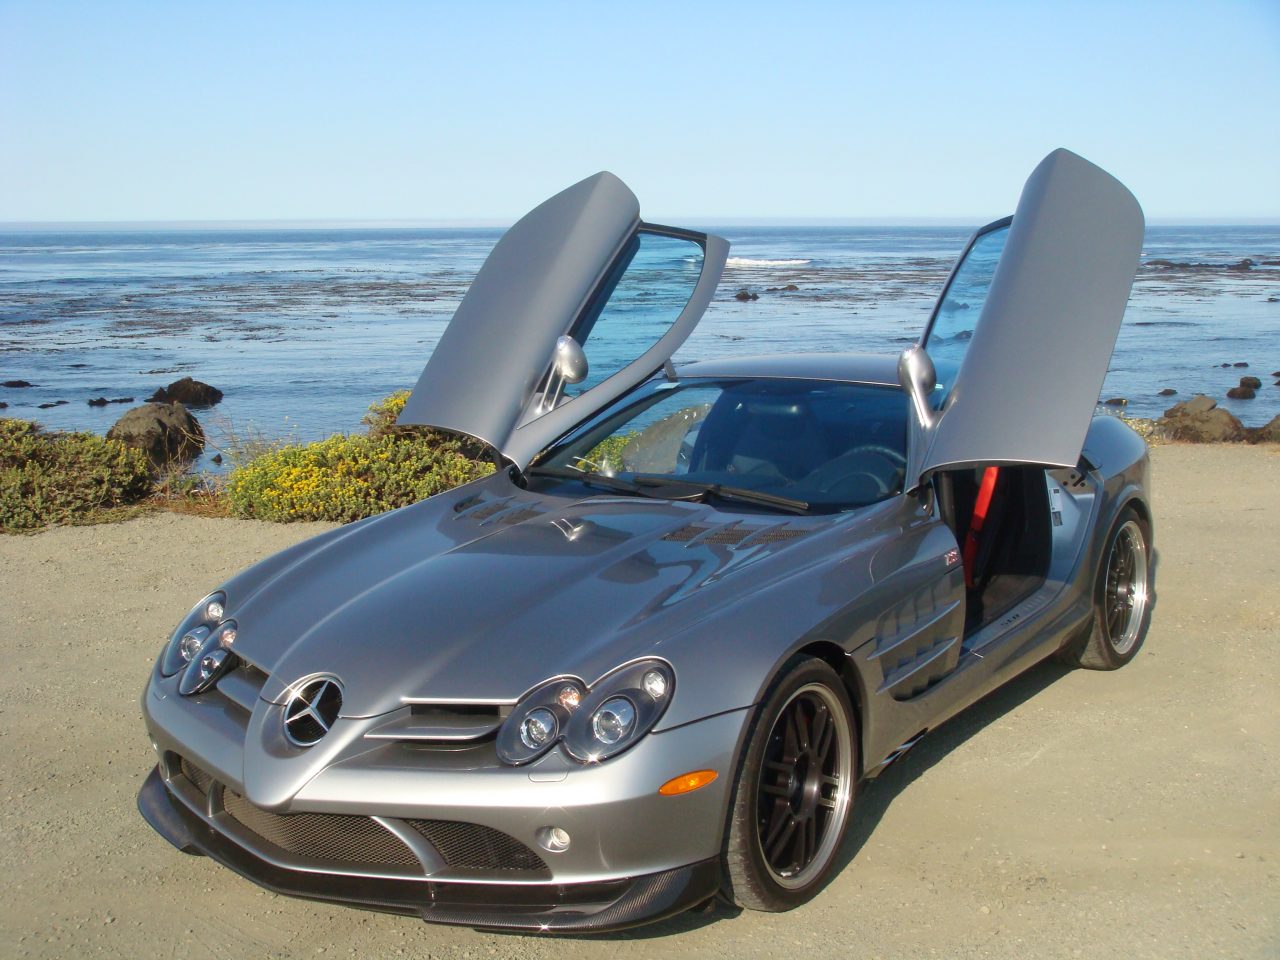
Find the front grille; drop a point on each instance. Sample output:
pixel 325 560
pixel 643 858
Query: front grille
pixel 352 839
pixel 470 846
pixel 323 836
pixel 199 779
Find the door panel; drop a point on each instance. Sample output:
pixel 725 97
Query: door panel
pixel 579 265
pixel 1031 367
pixel 918 635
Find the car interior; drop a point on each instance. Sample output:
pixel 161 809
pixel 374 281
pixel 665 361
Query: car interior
pixel 839 446
pixel 1001 518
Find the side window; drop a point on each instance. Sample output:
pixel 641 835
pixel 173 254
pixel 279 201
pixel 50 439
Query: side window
pixel 961 306
pixel 652 284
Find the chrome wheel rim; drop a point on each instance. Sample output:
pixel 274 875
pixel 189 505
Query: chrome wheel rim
pixel 805 786
pixel 1125 602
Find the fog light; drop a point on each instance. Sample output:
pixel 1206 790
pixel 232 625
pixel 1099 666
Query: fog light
pixel 553 839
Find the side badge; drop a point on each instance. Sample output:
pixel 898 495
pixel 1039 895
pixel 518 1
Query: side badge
pixel 952 557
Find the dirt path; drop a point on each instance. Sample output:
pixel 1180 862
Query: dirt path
pixel 1073 814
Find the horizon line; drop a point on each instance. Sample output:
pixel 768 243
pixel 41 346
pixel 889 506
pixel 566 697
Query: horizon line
pixel 480 223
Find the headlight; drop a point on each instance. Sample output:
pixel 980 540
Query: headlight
pixel 535 725
pixel 192 633
pixel 593 724
pixel 212 660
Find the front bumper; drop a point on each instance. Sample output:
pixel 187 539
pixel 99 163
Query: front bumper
pixel 620 826
pixel 592 907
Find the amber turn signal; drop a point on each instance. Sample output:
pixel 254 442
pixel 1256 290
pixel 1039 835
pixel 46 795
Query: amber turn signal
pixel 687 782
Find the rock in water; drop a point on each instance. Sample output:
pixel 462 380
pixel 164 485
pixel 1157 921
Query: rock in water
pixel 190 392
pixel 165 432
pixel 1167 392
pixel 1241 393
pixel 1116 402
pixel 1201 420
pixel 1253 383
pixel 16 384
pixel 1196 405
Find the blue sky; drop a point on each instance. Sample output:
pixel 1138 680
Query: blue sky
pixel 426 111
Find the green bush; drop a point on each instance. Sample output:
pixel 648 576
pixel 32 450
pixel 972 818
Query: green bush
pixel 48 478
pixel 607 454
pixel 346 478
pixel 381 418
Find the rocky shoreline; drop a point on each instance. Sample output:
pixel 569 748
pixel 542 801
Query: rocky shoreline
pixel 1201 420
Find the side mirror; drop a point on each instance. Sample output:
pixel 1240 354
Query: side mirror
pixel 568 365
pixel 918 378
pixel 570 362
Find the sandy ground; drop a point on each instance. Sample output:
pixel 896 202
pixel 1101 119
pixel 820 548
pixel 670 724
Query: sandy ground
pixel 1133 814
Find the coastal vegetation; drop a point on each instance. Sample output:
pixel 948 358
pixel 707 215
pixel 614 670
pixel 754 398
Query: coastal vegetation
pixel 55 478
pixel 49 478
pixel 346 478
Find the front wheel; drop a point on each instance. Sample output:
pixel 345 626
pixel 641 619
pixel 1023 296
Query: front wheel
pixel 794 790
pixel 1122 599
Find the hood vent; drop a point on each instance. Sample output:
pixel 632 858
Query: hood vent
pixel 445 722
pixel 504 510
pixel 734 534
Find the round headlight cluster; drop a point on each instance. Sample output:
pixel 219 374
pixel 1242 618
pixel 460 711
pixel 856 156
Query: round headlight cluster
pixel 539 728
pixel 593 724
pixel 200 649
pixel 537 723
pixel 613 721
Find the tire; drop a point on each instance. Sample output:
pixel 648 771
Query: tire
pixel 792 794
pixel 1122 596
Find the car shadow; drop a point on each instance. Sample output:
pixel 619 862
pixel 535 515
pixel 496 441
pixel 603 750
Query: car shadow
pixel 876 796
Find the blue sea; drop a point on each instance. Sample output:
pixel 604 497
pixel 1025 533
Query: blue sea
pixel 303 328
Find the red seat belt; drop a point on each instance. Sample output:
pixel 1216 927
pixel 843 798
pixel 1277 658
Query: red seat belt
pixel 980 507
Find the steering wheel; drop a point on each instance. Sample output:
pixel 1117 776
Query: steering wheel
pixel 850 470
pixel 890 454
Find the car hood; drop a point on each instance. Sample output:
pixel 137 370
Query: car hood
pixel 483 593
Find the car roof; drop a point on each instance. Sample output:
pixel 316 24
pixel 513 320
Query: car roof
pixel 870 368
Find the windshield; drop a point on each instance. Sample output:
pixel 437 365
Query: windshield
pixel 822 445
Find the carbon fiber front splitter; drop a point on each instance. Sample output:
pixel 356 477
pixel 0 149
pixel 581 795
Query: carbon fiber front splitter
pixel 533 908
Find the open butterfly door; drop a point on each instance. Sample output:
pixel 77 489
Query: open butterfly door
pixel 1024 330
pixel 583 266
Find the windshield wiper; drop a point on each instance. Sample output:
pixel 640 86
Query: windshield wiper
pixel 587 476
pixel 672 488
pixel 740 494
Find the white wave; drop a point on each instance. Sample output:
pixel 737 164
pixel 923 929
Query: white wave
pixel 751 262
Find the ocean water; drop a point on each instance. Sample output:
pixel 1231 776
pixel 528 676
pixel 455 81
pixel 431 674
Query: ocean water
pixel 303 328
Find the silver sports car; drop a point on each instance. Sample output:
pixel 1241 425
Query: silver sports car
pixel 649 660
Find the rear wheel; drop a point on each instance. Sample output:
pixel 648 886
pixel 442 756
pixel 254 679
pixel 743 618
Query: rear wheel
pixel 1122 599
pixel 794 790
